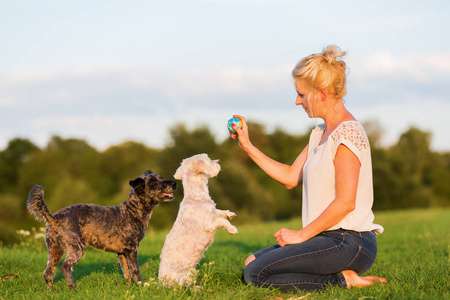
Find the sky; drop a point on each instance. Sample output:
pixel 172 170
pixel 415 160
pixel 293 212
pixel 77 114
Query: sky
pixel 113 71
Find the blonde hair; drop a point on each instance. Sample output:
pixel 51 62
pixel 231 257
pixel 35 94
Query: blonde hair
pixel 323 71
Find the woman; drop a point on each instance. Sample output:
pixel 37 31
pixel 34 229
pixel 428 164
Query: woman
pixel 338 240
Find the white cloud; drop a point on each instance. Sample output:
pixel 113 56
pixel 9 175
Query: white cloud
pixel 421 68
pixel 206 81
pixel 107 105
pixel 68 87
pixel 25 88
pixel 69 121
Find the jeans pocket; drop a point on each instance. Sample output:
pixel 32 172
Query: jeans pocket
pixel 362 261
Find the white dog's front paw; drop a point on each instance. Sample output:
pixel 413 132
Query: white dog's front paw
pixel 232 230
pixel 225 214
pixel 230 214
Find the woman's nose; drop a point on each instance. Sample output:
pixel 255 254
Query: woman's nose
pixel 298 101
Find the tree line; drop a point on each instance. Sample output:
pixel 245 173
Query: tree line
pixel 407 174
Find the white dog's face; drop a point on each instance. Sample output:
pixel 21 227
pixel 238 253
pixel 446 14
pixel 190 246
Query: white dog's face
pixel 199 164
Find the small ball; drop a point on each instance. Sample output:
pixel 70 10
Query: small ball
pixel 235 121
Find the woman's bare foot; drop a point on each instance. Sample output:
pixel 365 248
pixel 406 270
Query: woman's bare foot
pixel 353 280
pixel 376 279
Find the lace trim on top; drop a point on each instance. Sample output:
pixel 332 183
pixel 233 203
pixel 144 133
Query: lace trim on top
pixel 352 132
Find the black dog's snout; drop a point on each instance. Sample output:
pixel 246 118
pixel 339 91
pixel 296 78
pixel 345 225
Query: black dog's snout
pixel 173 184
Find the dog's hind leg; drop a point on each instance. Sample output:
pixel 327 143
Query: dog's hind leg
pixel 55 254
pixel 124 265
pixel 73 255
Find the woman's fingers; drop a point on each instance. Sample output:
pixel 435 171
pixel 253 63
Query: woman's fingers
pixel 279 237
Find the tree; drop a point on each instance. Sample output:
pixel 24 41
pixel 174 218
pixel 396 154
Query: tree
pixel 70 160
pixel 12 158
pixel 125 162
pixel 408 174
pixel 409 159
pixel 184 144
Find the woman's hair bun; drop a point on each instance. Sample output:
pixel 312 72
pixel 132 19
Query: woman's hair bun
pixel 331 53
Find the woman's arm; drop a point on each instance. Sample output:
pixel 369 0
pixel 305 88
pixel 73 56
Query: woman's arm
pixel 290 176
pixel 347 168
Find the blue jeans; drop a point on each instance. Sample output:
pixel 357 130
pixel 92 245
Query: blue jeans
pixel 314 264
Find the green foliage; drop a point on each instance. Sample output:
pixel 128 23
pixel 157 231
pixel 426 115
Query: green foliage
pixel 185 144
pixel 119 164
pixel 408 174
pixel 11 159
pixel 413 254
pixel 8 234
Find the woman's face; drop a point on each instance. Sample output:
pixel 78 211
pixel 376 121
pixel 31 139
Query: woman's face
pixel 305 98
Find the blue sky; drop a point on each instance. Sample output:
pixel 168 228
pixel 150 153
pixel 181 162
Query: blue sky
pixel 112 71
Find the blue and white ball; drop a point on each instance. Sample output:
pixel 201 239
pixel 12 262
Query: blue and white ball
pixel 235 121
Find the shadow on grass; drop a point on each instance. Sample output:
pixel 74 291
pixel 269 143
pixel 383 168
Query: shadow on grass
pixel 103 265
pixel 95 261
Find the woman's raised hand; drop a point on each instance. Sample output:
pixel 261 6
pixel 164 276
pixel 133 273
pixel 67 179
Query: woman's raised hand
pixel 241 133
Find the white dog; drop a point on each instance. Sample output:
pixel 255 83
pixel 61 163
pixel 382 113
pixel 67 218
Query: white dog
pixel 196 223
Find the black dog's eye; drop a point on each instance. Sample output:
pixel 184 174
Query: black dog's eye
pixel 154 183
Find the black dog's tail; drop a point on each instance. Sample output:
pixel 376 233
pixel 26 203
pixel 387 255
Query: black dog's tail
pixel 36 205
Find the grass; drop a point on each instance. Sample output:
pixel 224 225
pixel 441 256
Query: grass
pixel 413 255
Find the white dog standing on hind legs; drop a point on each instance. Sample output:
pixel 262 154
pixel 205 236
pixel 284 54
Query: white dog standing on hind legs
pixel 196 223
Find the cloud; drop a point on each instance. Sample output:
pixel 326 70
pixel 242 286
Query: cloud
pixel 66 121
pixel 23 88
pixel 205 81
pixel 36 88
pixel 110 104
pixel 420 68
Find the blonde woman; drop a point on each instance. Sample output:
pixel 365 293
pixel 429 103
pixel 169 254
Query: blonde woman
pixel 338 240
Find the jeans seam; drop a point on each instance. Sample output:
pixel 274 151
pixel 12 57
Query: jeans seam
pixel 369 241
pixel 354 258
pixel 362 236
pixel 362 251
pixel 304 254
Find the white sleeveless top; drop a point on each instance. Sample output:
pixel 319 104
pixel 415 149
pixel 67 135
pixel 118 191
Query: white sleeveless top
pixel 319 183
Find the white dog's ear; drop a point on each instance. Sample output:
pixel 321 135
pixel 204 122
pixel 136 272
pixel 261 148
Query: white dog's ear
pixel 202 168
pixel 179 173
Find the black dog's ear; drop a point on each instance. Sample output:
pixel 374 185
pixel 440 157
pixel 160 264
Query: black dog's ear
pixel 148 172
pixel 137 184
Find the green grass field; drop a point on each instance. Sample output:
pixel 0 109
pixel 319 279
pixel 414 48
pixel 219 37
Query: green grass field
pixel 413 255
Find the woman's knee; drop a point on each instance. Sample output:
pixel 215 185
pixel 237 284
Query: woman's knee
pixel 249 260
pixel 249 276
pixel 248 272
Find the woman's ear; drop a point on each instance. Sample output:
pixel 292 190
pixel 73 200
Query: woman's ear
pixel 323 94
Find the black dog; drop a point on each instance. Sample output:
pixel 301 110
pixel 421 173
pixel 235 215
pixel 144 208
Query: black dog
pixel 117 229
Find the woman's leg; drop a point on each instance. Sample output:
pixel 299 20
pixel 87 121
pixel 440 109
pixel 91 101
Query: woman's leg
pixel 313 264
pixel 259 253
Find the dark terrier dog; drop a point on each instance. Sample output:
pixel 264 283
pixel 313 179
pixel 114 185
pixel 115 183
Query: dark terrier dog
pixel 117 229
